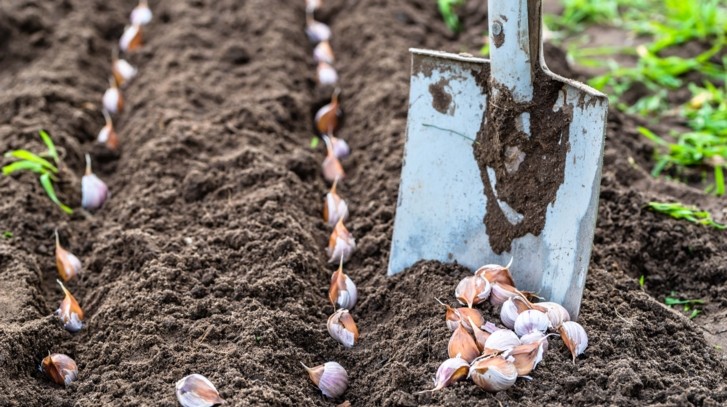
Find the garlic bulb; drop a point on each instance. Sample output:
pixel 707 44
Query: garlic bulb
pixel 495 273
pixel 130 39
pixel 323 52
pixel 575 338
pixel 500 341
pixel 530 321
pixel 67 264
pixel 93 191
pixel 480 335
pixel 317 31
pixel 335 208
pixel 59 368
pixel 342 291
pixel 472 290
pixel 69 312
pixel 327 117
pixel 556 313
pixel 462 344
pixel 196 390
pixel 332 168
pixel 141 14
pixel 493 373
pixel 500 292
pixel 450 371
pixel 526 357
pixel 108 135
pixel 341 244
pixel 113 101
pixel 327 75
pixel 342 328
pixel 330 377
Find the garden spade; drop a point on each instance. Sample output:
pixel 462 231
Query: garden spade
pixel 502 161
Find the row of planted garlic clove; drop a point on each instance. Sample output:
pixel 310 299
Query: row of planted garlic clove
pixel 331 378
pixel 493 357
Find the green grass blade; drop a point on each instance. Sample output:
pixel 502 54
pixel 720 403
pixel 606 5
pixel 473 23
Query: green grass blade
pixel 49 144
pixel 28 156
pixel 45 181
pixel 719 180
pixel 24 166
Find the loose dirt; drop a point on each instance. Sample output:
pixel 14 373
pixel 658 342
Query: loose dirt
pixel 208 257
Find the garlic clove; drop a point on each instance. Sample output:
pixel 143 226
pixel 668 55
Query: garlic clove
pixel 312 5
pixel 60 368
pixel 454 315
pixel 500 341
pixel 334 208
pixel 509 313
pixel 108 135
pixel 327 75
pixel 575 338
pixel 531 321
pixel 526 357
pixel 450 371
pixel 196 390
pixel 500 292
pixel 113 101
pixel 557 314
pixel 327 117
pixel 461 343
pixel 342 328
pixel 495 273
pixel 340 148
pixel 141 14
pixel 344 404
pixel 493 373
pixel 130 39
pixel 332 168
pixel 472 290
pixel 93 191
pixel 536 336
pixel 480 335
pixel 122 71
pixel 69 312
pixel 341 244
pixel 323 52
pixel 342 292
pixel 317 31
pixel 331 378
pixel 67 264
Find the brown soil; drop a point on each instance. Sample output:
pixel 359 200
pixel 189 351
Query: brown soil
pixel 209 257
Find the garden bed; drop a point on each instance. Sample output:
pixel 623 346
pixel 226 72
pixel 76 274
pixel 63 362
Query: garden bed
pixel 208 257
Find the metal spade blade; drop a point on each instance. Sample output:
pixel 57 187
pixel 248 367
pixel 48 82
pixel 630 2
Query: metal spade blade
pixel 502 160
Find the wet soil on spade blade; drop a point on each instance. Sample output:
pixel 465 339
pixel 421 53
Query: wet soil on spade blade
pixel 209 259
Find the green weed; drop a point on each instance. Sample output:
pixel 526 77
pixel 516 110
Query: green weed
pixel 447 8
pixel 689 213
pixel 687 304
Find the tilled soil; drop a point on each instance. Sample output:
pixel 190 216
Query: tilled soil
pixel 209 257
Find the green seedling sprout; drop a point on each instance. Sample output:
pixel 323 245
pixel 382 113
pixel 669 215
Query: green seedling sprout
pixel 8 234
pixel 687 304
pixel 447 8
pixel 689 213
pixel 28 161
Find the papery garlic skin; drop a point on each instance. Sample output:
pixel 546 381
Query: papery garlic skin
pixel 501 340
pixel 342 328
pixel 575 338
pixel 493 373
pixel 450 371
pixel 327 75
pixel 495 273
pixel 141 14
pixel 525 357
pixel 323 53
pixel 317 31
pixel 501 292
pixel 462 344
pixel 196 390
pixel 472 290
pixel 531 321
pixel 331 378
pixel 533 337
pixel 60 368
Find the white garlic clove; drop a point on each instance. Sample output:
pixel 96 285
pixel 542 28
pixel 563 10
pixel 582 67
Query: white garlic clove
pixel 342 328
pixel 509 313
pixel 93 191
pixel 501 292
pixel 69 312
pixel 493 373
pixel 196 390
pixel 341 244
pixel 454 315
pixel 312 5
pixel 131 38
pixel 575 338
pixel 59 368
pixel 531 321
pixel 332 168
pixel 327 117
pixel 331 378
pixel 450 371
pixel 327 75
pixel 323 52
pixel 526 357
pixel 495 273
pixel 141 14
pixel 472 290
pixel 500 341
pixel 122 71
pixel 462 344
pixel 67 264
pixel 533 337
pixel 557 314
pixel 113 102
pixel 342 292
pixel 335 208
pixel 317 31
pixel 108 135
pixel 340 148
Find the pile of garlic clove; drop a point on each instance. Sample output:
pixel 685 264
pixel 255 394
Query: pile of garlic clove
pixel 495 357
